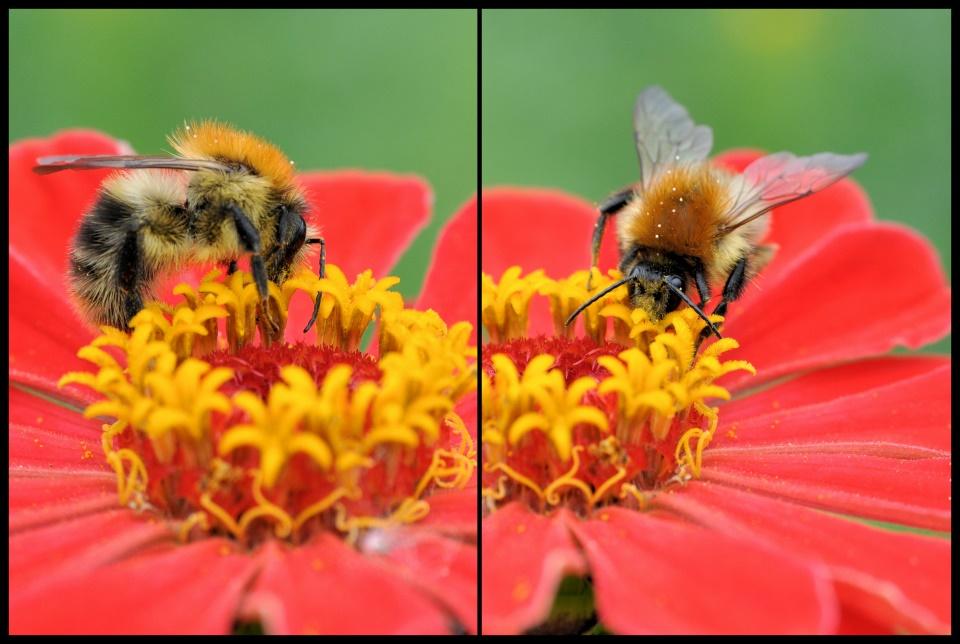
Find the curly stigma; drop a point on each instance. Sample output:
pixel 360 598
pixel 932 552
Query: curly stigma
pixel 255 440
pixel 610 418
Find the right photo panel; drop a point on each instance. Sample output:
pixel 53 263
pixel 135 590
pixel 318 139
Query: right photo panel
pixel 715 310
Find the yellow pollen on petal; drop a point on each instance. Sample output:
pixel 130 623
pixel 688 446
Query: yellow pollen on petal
pixel 348 448
pixel 521 591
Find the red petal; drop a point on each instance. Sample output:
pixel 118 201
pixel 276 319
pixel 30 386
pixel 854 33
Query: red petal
pixel 45 330
pixel 47 439
pixel 29 409
pixel 896 579
pixel 453 513
pixel 45 210
pixel 43 559
pixel 540 229
pixel 368 219
pixel 910 492
pixel 57 470
pixel 450 287
pixel 831 383
pixel 445 569
pixel 192 589
pixel 525 557
pixel 853 622
pixel 858 293
pixel 41 452
pixel 907 417
pixel 327 587
pixel 657 576
pixel 35 501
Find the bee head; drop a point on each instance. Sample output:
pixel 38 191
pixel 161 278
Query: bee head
pixel 650 292
pixel 653 291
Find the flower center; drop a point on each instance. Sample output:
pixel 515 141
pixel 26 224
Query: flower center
pixel 610 418
pixel 255 440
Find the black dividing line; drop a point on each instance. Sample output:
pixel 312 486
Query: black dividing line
pixel 478 327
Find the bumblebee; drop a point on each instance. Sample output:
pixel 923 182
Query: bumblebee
pixel 225 194
pixel 686 224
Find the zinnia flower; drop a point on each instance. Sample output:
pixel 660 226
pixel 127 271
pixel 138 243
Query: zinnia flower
pixel 186 476
pixel 715 491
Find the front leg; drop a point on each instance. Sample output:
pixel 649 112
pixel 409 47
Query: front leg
pixel 703 289
pixel 608 207
pixel 736 282
pixel 323 273
pixel 291 236
pixel 250 242
pixel 732 289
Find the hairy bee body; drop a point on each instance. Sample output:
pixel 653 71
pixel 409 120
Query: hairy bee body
pixel 673 228
pixel 688 225
pixel 229 194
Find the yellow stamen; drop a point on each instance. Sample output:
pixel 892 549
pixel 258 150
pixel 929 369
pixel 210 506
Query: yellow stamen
pixel 659 382
pixel 168 400
pixel 504 304
pixel 515 475
pixel 266 509
pixel 568 479
pixel 319 507
pixel 607 485
pixel 566 295
pixel 347 309
pixel 195 519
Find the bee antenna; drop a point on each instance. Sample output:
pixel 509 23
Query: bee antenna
pixel 598 296
pixel 686 298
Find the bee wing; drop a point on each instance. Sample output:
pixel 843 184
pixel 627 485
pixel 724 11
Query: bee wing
pixel 665 133
pixel 778 179
pixel 46 165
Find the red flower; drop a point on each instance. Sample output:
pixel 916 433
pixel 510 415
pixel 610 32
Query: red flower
pixel 80 563
pixel 829 427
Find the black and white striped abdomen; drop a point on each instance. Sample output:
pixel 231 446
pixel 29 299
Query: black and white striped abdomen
pixel 136 228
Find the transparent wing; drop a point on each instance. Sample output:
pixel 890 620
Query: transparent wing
pixel 665 134
pixel 780 178
pixel 46 165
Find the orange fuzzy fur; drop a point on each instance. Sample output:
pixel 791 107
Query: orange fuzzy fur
pixel 213 140
pixel 686 227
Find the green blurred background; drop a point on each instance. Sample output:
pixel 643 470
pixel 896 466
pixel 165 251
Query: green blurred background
pixel 377 90
pixel 558 90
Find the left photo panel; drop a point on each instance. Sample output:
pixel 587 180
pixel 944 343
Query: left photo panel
pixel 243 322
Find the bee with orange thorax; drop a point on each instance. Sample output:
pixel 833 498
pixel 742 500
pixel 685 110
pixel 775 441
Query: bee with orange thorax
pixel 226 194
pixel 687 224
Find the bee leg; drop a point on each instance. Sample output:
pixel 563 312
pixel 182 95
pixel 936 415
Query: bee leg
pixel 736 282
pixel 703 289
pixel 732 289
pixel 246 231
pixel 232 268
pixel 608 207
pixel 323 273
pixel 250 241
